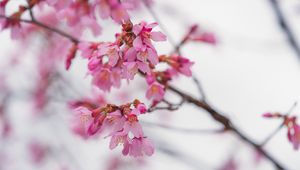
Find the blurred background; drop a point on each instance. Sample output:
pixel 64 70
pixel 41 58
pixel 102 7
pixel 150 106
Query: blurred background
pixel 252 69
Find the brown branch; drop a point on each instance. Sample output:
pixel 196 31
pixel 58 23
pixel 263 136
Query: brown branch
pixel 42 25
pixel 285 26
pixel 226 122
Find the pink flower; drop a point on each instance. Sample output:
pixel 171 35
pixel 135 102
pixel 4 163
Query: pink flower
pixel 106 78
pixel 185 66
pixel 120 139
pixel 272 115
pixel 294 136
pixel 140 146
pixel 70 56
pixel 85 124
pixel 80 15
pixel 87 49
pixel 114 122
pixel 38 152
pixel 229 165
pixel 142 43
pixel 155 91
pixel 114 9
pixel 142 108
pixel 196 34
pixel 112 51
pixel 293 131
pixel 132 125
pixel 129 70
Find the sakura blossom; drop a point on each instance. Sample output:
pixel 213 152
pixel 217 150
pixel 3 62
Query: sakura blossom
pixel 116 84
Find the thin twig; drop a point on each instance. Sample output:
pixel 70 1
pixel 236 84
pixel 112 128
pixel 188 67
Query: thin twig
pixel 156 18
pixel 215 114
pixel 200 88
pixel 37 23
pixel 226 122
pixel 285 26
pixel 279 127
pixel 170 106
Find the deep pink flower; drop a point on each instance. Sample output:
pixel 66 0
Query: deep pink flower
pixel 155 91
pixel 272 115
pixel 293 131
pixel 142 108
pixel 294 136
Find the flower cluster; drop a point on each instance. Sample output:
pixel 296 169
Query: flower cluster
pixel 14 22
pixel 78 14
pixel 132 52
pixel 118 122
pixel 290 122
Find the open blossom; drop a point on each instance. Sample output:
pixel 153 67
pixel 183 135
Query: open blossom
pixel 80 14
pixel 13 23
pixel 132 52
pixel 178 64
pixel 112 51
pixel 106 78
pixel 293 131
pixel 142 43
pixel 114 9
pixel 87 122
pixel 120 122
pixel 155 91
pixel 140 146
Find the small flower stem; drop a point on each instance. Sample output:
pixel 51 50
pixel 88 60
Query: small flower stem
pixel 156 18
pixel 278 128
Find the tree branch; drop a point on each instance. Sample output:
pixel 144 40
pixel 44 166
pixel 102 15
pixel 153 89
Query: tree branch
pixel 285 27
pixel 42 25
pixel 226 122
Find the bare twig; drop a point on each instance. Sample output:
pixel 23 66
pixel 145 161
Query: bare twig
pixel 200 88
pixel 285 26
pixel 37 23
pixel 170 106
pixel 156 18
pixel 226 122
